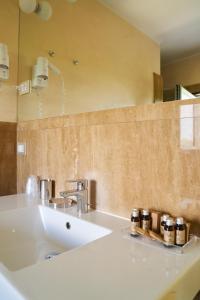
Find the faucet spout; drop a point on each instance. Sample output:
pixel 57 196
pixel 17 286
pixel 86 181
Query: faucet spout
pixel 81 194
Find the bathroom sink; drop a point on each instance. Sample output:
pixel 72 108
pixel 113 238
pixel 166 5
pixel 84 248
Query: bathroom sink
pixel 30 235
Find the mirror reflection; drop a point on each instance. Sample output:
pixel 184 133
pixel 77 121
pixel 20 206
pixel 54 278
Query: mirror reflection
pixel 83 58
pixel 67 57
pixel 79 56
pixel 190 127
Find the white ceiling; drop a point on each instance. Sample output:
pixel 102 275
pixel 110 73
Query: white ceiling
pixel 174 24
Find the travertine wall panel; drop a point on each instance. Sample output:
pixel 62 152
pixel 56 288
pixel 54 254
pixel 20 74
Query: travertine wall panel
pixel 137 156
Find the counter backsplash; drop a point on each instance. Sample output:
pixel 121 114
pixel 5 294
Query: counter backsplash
pixel 144 156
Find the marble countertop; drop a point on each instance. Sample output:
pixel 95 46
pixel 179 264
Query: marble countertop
pixel 114 267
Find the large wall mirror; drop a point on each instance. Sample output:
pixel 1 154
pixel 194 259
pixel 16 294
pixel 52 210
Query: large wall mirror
pixel 92 58
pixel 73 56
pixel 79 56
pixel 96 60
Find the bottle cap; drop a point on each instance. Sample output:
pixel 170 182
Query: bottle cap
pixel 165 217
pixel 180 221
pixel 169 222
pixel 135 212
pixel 145 212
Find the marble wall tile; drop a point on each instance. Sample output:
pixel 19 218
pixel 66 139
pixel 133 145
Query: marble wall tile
pixel 134 157
pixel 120 115
pixel 54 122
pixel 158 111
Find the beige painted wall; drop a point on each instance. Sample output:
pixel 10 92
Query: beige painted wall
pixel 116 61
pixel 9 17
pixel 185 72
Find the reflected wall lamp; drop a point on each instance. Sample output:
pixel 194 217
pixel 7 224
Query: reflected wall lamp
pixel 42 8
pixel 4 62
pixel 40 73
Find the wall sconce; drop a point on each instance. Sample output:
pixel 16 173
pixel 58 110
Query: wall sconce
pixel 41 72
pixel 42 8
pixel 4 62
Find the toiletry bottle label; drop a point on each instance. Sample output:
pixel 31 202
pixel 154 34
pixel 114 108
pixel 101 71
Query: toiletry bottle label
pixel 134 227
pixel 145 224
pixel 169 237
pixel 135 224
pixel 180 237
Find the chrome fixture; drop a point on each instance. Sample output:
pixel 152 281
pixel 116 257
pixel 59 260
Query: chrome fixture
pixel 81 194
pixel 46 189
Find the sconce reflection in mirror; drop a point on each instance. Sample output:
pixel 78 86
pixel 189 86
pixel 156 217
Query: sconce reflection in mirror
pixel 40 77
pixel 40 73
pixel 42 8
pixel 4 62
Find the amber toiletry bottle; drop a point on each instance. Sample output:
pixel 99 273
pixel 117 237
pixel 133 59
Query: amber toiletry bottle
pixel 180 232
pixel 145 219
pixel 169 232
pixel 163 222
pixel 135 221
pixel 135 217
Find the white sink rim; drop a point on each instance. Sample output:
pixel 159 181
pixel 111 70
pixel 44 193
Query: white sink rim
pixel 52 214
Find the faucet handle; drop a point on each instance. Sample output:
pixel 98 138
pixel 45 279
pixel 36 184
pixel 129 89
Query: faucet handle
pixel 82 184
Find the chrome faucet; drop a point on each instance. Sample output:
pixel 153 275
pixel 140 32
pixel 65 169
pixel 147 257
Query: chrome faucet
pixel 81 194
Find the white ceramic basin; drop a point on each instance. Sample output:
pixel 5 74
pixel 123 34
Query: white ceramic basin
pixel 29 235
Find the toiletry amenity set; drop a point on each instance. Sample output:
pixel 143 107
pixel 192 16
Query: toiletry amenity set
pixel 162 228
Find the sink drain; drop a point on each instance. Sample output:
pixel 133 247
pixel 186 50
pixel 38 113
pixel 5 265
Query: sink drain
pixel 51 255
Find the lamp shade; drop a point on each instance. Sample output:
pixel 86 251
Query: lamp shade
pixel 4 58
pixel 41 68
pixel 4 62
pixel 28 6
pixel 44 10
